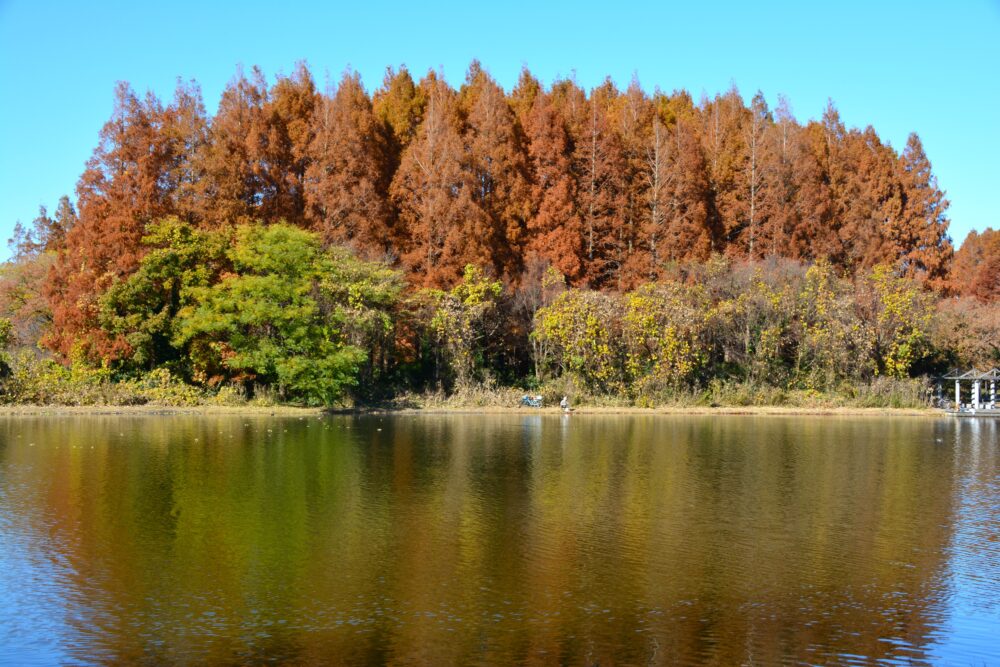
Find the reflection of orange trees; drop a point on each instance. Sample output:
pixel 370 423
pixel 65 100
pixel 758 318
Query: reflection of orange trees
pixel 730 543
pixel 443 552
pixel 494 539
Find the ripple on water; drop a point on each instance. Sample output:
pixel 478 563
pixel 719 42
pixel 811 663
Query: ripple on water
pixel 466 539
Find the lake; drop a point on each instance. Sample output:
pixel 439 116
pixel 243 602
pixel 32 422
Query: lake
pixel 499 539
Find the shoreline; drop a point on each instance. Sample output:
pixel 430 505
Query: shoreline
pixel 750 410
pixel 293 411
pixel 152 410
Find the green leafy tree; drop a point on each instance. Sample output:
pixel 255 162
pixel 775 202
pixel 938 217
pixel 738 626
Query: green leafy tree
pixel 6 338
pixel 750 318
pixel 365 295
pixel 141 310
pixel 662 329
pixel 269 321
pixel 895 319
pixel 461 323
pixel 6 334
pixel 581 330
pixel 827 330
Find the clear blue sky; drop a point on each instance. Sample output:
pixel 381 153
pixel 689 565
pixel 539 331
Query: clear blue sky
pixel 933 68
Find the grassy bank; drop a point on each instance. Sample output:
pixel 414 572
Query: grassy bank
pixel 294 411
pixel 243 410
pixel 44 387
pixel 882 394
pixel 760 410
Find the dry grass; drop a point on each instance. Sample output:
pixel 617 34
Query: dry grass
pixel 277 410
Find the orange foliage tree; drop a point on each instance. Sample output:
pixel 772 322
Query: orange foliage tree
pixel 610 188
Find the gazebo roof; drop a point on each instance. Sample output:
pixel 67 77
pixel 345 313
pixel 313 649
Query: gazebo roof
pixel 974 374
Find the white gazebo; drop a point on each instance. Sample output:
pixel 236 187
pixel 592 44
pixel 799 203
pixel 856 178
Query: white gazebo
pixel 982 395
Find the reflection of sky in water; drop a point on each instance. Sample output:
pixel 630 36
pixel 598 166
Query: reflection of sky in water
pixel 560 539
pixel 39 603
pixel 971 616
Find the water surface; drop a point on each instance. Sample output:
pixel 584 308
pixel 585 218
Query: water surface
pixel 499 539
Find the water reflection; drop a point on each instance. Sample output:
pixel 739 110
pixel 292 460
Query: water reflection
pixel 460 539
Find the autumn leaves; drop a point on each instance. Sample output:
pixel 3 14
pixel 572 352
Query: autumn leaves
pixel 609 187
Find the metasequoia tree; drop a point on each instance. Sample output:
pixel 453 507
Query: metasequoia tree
pixel 814 234
pixel 976 269
pixel 599 163
pixel 644 159
pixel 775 230
pixel 524 95
pixel 555 231
pixel 46 234
pixel 348 174
pixel 678 226
pixel 440 224
pixel 185 133
pixel 399 103
pixel 835 162
pixel 986 281
pixel 253 165
pixel 920 235
pixel 871 189
pixel 657 176
pixel 284 142
pixel 610 188
pixel 231 186
pixel 722 122
pixel 498 174
pixel 122 190
pixel 689 231
pixel 754 170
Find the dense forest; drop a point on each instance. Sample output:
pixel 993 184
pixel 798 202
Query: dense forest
pixel 314 246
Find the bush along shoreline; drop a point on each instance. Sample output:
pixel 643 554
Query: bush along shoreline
pixel 266 315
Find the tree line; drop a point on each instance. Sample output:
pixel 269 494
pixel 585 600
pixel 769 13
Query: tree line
pixel 421 189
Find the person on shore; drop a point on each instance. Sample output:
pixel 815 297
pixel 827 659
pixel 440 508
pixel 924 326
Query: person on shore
pixel 564 404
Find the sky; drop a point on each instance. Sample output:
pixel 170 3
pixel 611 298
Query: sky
pixel 926 67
